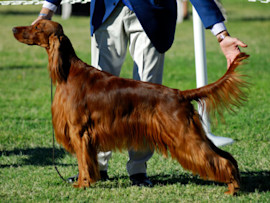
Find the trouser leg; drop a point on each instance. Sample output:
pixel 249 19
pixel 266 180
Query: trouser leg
pixel 148 66
pixel 108 51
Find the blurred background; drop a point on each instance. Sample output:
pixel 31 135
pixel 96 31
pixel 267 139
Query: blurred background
pixel 26 171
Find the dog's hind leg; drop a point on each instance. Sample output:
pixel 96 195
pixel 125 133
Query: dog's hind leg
pixel 87 160
pixel 197 153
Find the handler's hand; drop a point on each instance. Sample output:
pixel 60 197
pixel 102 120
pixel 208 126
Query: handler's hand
pixel 44 14
pixel 230 48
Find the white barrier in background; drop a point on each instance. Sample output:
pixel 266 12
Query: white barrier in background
pixel 262 1
pixel 201 75
pixel 37 2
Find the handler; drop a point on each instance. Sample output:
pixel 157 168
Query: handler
pixel 148 26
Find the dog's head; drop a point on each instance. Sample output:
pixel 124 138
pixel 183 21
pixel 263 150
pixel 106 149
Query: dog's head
pixel 50 35
pixel 41 33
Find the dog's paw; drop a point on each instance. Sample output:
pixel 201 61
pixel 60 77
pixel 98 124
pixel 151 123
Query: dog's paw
pixel 233 189
pixel 82 184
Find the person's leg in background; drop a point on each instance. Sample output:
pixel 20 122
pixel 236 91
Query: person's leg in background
pixel 108 51
pixel 148 67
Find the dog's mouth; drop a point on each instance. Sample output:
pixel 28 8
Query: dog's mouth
pixel 14 30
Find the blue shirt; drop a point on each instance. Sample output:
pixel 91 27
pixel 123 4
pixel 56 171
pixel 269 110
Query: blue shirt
pixel 127 3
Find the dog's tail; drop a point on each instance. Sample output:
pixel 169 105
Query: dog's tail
pixel 224 93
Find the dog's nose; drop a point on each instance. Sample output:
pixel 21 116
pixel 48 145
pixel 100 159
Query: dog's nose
pixel 14 30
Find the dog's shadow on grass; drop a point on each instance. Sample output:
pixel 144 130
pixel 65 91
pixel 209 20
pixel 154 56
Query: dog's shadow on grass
pixel 39 156
pixel 255 181
pixel 250 181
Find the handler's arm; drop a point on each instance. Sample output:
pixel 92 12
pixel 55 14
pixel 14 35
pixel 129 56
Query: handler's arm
pixel 46 12
pixel 213 19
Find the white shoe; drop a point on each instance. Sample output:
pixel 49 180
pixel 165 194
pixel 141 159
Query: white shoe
pixel 219 141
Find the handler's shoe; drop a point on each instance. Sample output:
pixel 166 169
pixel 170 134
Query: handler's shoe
pixel 141 180
pixel 73 178
pixel 103 177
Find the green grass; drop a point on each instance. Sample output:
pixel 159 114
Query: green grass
pixel 26 171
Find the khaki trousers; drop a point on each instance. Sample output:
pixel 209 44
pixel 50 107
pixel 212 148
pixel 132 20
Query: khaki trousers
pixel 108 51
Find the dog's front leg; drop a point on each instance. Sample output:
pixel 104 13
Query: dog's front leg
pixel 87 160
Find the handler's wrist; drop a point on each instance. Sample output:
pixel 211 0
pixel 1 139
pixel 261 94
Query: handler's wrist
pixel 222 35
pixel 44 16
pixel 45 13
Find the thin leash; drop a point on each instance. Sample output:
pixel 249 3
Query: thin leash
pixel 53 152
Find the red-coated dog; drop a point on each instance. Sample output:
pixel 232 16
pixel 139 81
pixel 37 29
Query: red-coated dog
pixel 95 111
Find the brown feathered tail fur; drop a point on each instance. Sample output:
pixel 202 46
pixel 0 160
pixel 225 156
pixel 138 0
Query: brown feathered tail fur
pixel 222 94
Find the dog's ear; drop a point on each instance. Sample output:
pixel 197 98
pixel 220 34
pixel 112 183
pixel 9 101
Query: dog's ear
pixel 57 72
pixel 59 30
pixel 55 61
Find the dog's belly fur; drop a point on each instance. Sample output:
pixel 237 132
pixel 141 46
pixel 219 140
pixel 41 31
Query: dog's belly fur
pixel 122 126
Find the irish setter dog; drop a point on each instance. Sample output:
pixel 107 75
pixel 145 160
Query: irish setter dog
pixel 95 111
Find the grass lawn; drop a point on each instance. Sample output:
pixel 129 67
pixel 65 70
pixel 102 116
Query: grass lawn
pixel 26 171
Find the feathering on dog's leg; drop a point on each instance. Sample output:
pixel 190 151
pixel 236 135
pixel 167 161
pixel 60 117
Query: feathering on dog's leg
pixel 90 158
pixel 87 160
pixel 76 142
pixel 199 155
